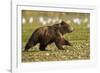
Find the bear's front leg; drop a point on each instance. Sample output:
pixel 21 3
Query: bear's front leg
pixel 65 42
pixel 59 45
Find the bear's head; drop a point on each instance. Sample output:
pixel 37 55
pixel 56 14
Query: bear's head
pixel 65 27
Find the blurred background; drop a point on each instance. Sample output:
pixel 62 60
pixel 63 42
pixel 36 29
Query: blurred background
pixel 49 18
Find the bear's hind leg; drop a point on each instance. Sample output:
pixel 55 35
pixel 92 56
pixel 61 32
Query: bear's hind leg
pixel 29 45
pixel 42 47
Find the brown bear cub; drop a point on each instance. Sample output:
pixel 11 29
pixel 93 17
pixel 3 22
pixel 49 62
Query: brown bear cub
pixel 49 34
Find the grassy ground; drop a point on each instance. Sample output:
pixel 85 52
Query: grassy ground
pixel 79 51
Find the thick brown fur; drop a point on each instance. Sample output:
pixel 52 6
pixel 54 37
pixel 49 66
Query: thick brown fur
pixel 49 34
